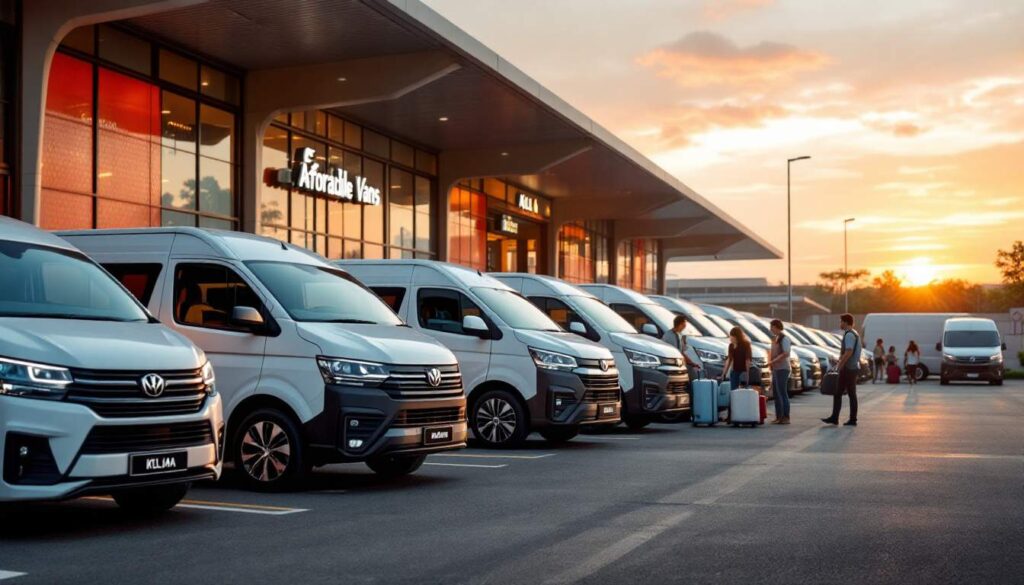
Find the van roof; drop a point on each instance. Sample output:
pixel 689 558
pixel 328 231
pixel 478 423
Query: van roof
pixel 555 285
pixel 689 306
pixel 19 231
pixel 227 243
pixel 457 273
pixel 970 324
pixel 628 294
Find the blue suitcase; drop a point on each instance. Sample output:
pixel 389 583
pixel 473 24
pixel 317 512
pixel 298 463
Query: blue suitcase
pixel 724 391
pixel 705 402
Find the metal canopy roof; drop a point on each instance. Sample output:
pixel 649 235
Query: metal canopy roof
pixel 492 107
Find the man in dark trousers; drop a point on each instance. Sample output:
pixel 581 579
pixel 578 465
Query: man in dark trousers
pixel 849 367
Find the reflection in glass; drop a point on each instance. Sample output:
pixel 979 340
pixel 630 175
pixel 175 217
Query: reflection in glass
pixel 219 85
pixel 215 187
pixel 216 133
pixel 178 70
pixel 178 179
pixel 178 122
pixel 176 218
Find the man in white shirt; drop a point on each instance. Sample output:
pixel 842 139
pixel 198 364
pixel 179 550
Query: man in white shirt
pixel 779 361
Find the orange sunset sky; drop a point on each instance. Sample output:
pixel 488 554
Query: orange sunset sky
pixel 913 112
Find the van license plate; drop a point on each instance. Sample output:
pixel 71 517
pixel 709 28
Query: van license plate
pixel 437 436
pixel 607 410
pixel 972 375
pixel 153 463
pixel 684 400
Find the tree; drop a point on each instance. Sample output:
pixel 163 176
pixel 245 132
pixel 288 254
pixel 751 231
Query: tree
pixel 887 280
pixel 1011 264
pixel 837 281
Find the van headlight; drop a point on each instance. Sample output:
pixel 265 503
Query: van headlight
pixel 997 358
pixel 356 373
pixel 30 380
pixel 641 359
pixel 948 358
pixel 549 360
pixel 710 357
pixel 209 379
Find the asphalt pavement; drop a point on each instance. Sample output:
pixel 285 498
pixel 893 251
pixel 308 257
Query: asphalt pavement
pixel 929 488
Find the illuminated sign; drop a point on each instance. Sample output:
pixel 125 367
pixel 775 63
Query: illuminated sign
pixel 307 176
pixel 528 203
pixel 509 225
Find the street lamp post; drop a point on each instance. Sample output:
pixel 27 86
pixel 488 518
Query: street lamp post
pixel 789 234
pixel 846 268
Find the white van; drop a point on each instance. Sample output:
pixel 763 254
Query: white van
pixel 523 372
pixel 971 350
pixel 96 396
pixel 652 373
pixel 314 368
pixel 899 329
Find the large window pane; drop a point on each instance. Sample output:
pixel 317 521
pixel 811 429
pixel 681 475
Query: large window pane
pixel 65 211
pixel 178 70
pixel 81 39
pixel 178 122
pixel 274 199
pixel 403 154
pixel 216 133
pixel 216 185
pixel 373 215
pixel 178 179
pixel 376 144
pixel 298 218
pixel 400 200
pixel 127 105
pixel 219 85
pixel 124 49
pixel 69 89
pixel 177 218
pixel 125 167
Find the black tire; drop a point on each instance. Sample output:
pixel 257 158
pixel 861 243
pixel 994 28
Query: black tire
pixel 921 372
pixel 998 382
pixel 392 466
pixel 559 434
pixel 498 420
pixel 636 423
pixel 943 381
pixel 674 417
pixel 151 500
pixel 263 442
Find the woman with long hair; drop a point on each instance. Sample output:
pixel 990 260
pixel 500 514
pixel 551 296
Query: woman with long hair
pixel 737 365
pixel 911 359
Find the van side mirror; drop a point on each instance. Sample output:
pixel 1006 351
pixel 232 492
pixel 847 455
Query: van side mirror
pixel 247 317
pixel 938 346
pixel 474 325
pixel 649 329
pixel 578 328
pixel 1004 346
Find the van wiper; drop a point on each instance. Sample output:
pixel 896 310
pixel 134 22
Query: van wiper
pixel 357 321
pixel 70 316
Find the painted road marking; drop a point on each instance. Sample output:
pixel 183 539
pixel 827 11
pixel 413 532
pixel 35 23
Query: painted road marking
pixel 467 465
pixel 10 574
pixel 483 456
pixel 224 506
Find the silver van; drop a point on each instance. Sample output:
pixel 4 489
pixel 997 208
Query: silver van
pixel 652 373
pixel 523 372
pixel 96 396
pixel 313 367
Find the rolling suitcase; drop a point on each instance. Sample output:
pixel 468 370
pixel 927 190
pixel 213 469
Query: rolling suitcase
pixel 745 407
pixel 705 402
pixel 892 374
pixel 723 395
pixel 830 383
pixel 764 407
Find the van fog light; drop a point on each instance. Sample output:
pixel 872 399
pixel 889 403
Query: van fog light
pixel 355 443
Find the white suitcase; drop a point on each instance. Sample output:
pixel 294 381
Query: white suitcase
pixel 744 407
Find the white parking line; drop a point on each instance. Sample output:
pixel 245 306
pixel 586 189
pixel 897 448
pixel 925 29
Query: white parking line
pixel 10 574
pixel 483 456
pixel 467 465
pixel 224 506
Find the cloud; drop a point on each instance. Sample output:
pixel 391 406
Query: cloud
pixel 1002 201
pixel 718 10
pixel 908 223
pixel 704 58
pixel 685 121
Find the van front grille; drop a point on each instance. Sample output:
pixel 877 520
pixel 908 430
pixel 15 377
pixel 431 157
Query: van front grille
pixel 118 393
pixel 138 438
pixel 413 382
pixel 430 416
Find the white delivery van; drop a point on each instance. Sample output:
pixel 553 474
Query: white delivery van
pixel 96 396
pixel 652 373
pixel 899 329
pixel 522 371
pixel 313 367
pixel 972 350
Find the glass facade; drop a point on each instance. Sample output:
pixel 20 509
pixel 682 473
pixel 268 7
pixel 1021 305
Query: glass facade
pixel 128 141
pixel 583 251
pixel 400 227
pixel 637 265
pixel 8 59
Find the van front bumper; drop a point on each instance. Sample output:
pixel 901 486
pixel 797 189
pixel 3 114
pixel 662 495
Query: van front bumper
pixel 657 391
pixel 583 396
pixel 53 450
pixel 968 372
pixel 360 423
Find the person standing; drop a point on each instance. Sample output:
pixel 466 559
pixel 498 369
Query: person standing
pixel 781 350
pixel 879 354
pixel 677 339
pixel 911 359
pixel 848 368
pixel 737 365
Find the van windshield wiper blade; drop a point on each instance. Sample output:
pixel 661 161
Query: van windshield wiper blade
pixel 70 316
pixel 357 321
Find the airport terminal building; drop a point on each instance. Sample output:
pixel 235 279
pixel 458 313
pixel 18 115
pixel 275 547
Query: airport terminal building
pixel 355 128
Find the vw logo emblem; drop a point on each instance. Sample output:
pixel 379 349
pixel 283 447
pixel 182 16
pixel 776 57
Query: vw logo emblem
pixel 434 377
pixel 973 359
pixel 152 385
pixel 604 366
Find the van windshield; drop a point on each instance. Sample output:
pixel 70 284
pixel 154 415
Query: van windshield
pixel 602 315
pixel 515 310
pixel 754 333
pixel 50 283
pixel 703 324
pixel 322 295
pixel 971 339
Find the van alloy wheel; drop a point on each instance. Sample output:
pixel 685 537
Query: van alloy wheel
pixel 265 451
pixel 496 420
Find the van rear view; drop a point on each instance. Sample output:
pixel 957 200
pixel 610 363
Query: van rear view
pixel 972 350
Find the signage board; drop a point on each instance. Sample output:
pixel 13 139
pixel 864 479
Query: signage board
pixel 306 175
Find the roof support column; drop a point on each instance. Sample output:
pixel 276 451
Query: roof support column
pixel 269 92
pixel 44 26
